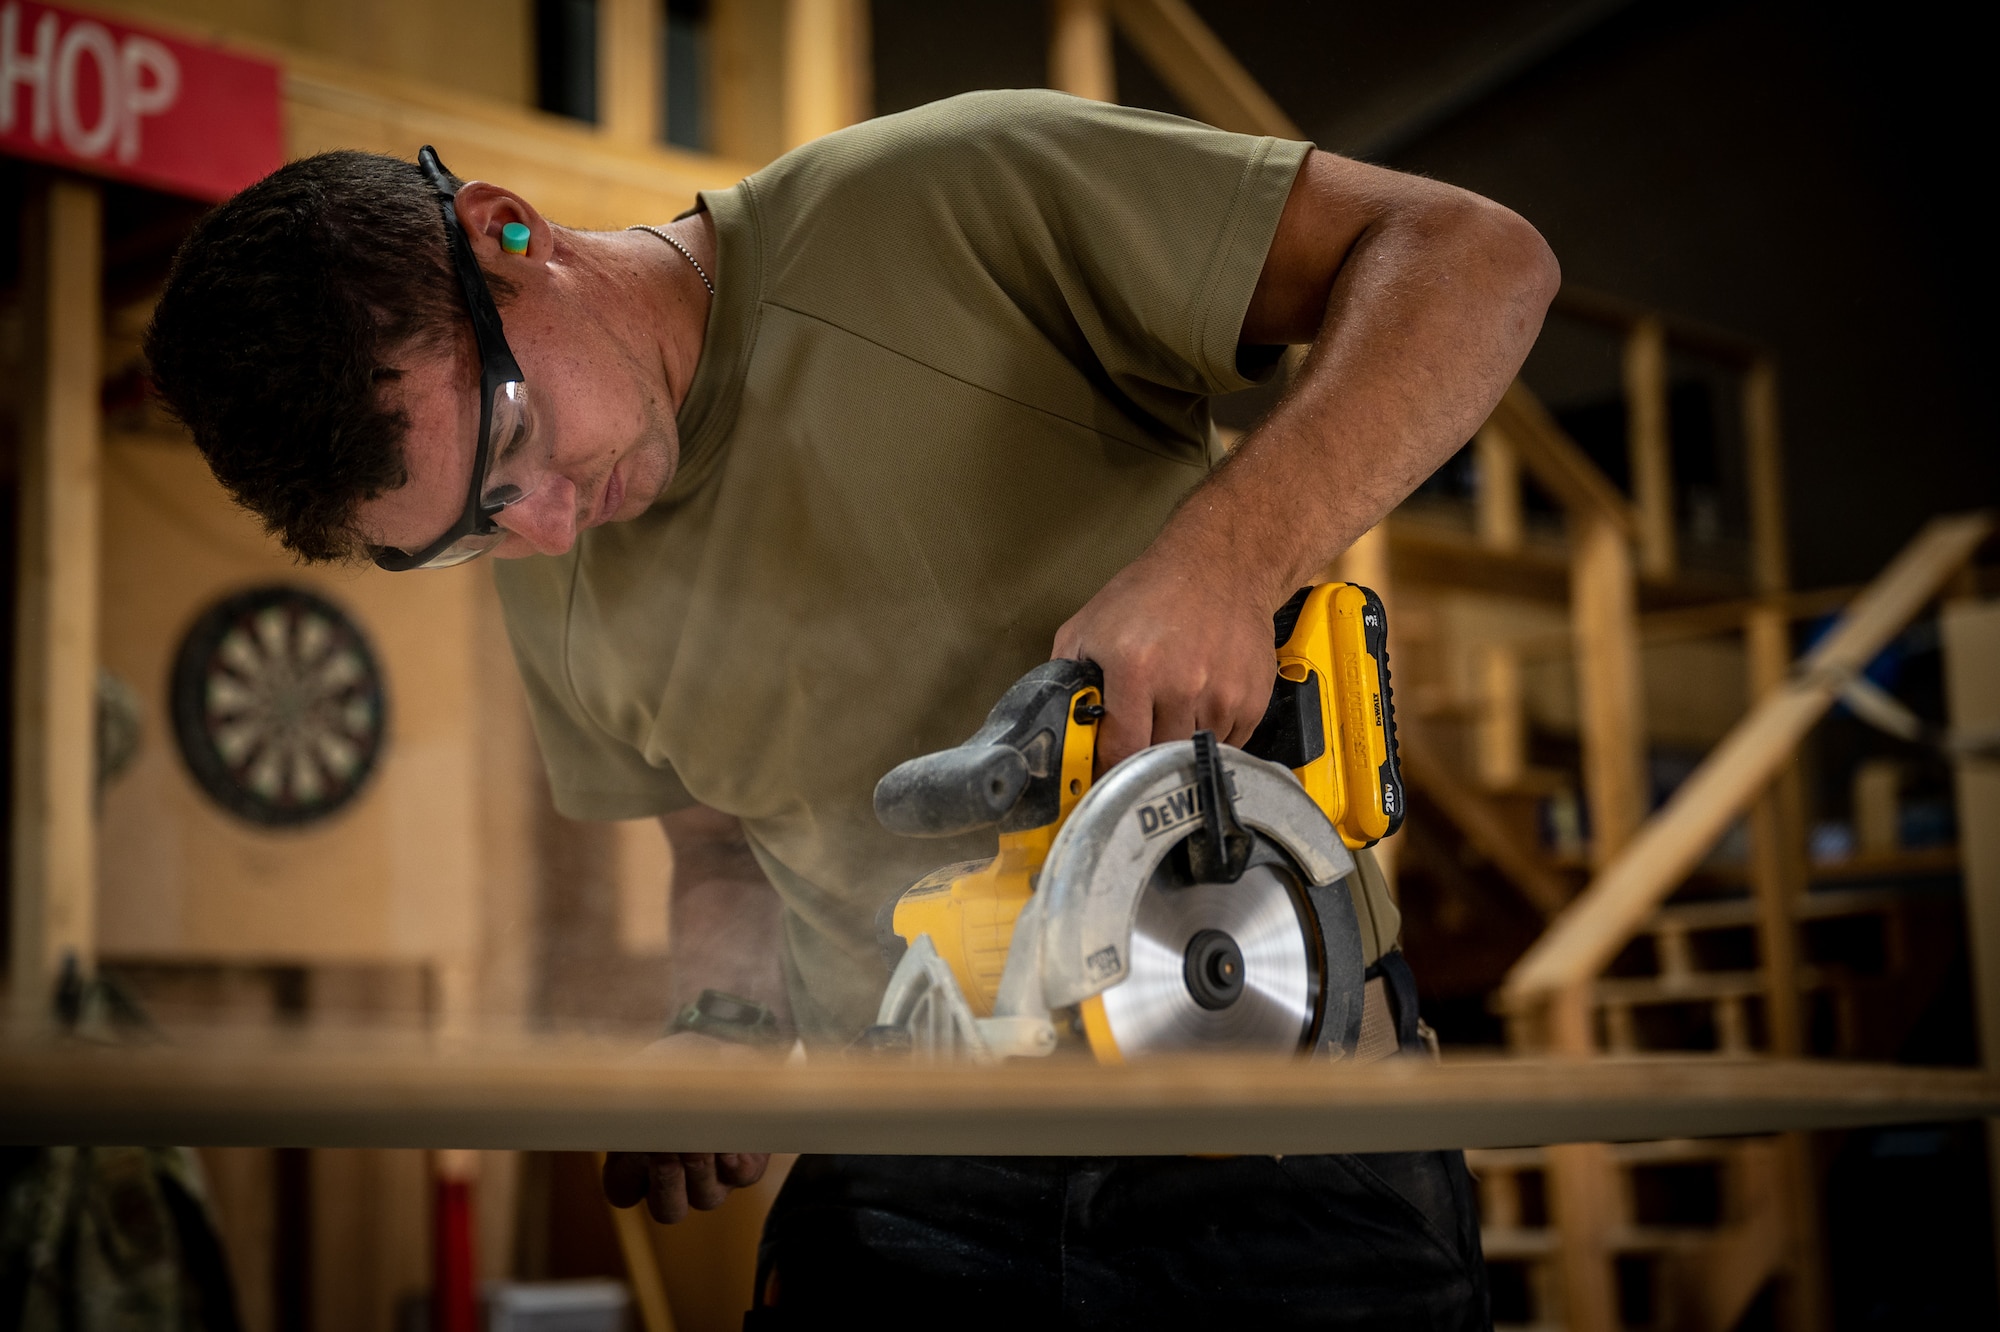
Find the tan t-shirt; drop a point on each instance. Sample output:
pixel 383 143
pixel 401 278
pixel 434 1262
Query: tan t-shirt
pixel 955 376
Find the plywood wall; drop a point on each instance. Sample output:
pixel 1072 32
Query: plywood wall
pixel 395 875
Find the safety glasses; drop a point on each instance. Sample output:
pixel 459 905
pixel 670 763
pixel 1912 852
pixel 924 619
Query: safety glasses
pixel 512 456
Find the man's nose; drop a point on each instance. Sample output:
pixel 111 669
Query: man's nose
pixel 546 520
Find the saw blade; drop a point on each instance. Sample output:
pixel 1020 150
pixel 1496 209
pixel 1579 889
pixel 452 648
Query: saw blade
pixel 1215 968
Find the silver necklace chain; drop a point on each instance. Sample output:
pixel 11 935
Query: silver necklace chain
pixel 686 253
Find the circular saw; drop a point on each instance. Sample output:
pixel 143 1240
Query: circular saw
pixel 1193 899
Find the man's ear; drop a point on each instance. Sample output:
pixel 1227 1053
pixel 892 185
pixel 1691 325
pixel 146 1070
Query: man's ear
pixel 484 209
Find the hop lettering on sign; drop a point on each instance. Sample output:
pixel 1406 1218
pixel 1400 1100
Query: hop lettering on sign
pixel 51 66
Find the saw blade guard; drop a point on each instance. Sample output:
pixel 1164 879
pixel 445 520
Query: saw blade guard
pixel 1111 853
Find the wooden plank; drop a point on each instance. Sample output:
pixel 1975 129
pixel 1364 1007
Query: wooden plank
pixel 1592 930
pixel 1601 307
pixel 1192 61
pixel 826 63
pixel 1080 60
pixel 1583 1198
pixel 1611 705
pixel 1503 718
pixel 574 1097
pixel 630 70
pixel 54 871
pixel 1500 522
pixel 1764 467
pixel 1971 634
pixel 574 174
pixel 1778 867
pixel 1727 617
pixel 1556 463
pixel 1432 554
pixel 1648 446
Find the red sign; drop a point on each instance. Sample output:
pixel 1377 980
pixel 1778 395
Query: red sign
pixel 119 101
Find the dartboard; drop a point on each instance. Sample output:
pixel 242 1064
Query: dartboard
pixel 278 706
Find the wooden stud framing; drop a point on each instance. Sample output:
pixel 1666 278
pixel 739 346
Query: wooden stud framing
pixel 826 67
pixel 1583 1195
pixel 1648 445
pixel 55 661
pixel 1972 684
pixel 1770 562
pixel 630 70
pixel 1503 717
pixel 1611 706
pixel 747 78
pixel 1561 468
pixel 1777 845
pixel 1500 522
pixel 1588 935
pixel 1080 60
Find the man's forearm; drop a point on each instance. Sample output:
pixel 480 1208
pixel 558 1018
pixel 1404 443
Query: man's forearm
pixel 1430 317
pixel 726 931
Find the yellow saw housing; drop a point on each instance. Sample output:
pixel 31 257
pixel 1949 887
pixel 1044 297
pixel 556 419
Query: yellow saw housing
pixel 1331 720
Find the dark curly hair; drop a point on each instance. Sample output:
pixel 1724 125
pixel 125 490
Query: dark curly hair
pixel 282 313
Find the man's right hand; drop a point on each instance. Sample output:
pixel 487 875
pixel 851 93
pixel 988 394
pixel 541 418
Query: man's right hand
pixel 672 1182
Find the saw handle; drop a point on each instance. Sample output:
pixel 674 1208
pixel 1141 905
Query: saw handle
pixel 1009 772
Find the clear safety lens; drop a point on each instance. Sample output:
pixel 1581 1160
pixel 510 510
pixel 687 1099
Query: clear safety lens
pixel 517 458
pixel 517 452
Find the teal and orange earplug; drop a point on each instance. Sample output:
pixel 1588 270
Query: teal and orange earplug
pixel 514 238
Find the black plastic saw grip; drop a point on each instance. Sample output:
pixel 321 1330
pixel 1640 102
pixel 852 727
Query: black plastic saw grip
pixel 1009 772
pixel 950 792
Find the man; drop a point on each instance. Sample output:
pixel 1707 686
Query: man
pixel 808 477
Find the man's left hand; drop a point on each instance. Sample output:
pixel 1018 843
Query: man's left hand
pixel 671 1182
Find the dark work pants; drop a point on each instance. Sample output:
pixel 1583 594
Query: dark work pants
pixel 1385 1241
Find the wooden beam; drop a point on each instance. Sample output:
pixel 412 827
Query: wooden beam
pixel 826 67
pixel 573 173
pixel 630 71
pixel 1971 633
pixel 1500 522
pixel 1649 447
pixel 1764 464
pixel 1557 464
pixel 1080 60
pixel 54 871
pixel 1592 930
pixel 1600 307
pixel 1778 867
pixel 1192 61
pixel 1583 1192
pixel 747 49
pixel 563 1096
pixel 1502 730
pixel 1727 617
pixel 1611 705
